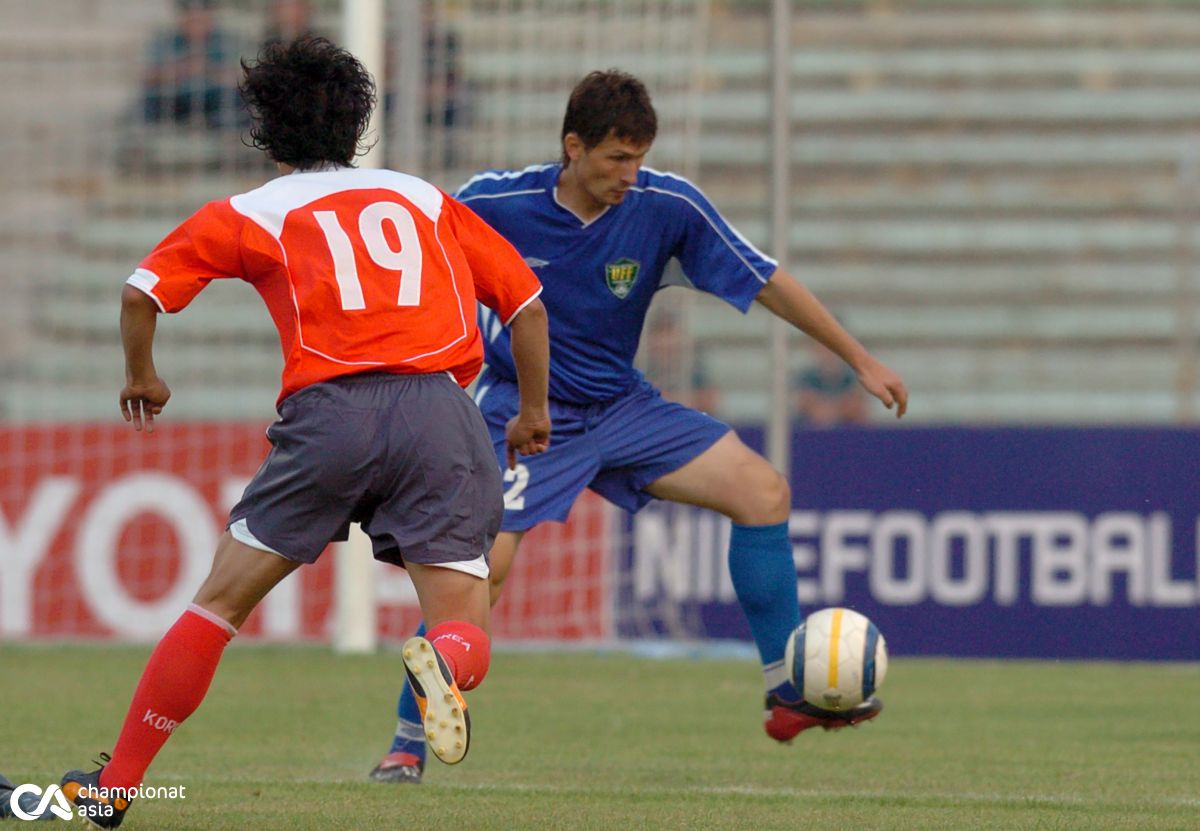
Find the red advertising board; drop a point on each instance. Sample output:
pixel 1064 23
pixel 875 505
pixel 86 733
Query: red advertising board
pixel 106 533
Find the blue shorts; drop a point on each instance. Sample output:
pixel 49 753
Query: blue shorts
pixel 616 448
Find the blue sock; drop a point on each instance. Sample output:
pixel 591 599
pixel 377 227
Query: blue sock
pixel 764 578
pixel 410 735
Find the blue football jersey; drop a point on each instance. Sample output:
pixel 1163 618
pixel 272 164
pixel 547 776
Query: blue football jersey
pixel 599 277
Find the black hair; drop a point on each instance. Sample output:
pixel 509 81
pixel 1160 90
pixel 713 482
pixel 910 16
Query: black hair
pixel 610 101
pixel 311 102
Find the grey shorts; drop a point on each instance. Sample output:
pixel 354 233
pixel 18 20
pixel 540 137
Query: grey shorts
pixel 408 456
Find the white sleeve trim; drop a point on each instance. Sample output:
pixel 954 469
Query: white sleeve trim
pixel 521 308
pixel 144 281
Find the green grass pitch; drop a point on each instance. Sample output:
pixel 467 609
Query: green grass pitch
pixel 611 741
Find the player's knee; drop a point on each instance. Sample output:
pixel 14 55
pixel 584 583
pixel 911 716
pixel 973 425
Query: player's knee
pixel 769 499
pixel 759 496
pixel 496 585
pixel 504 550
pixel 777 498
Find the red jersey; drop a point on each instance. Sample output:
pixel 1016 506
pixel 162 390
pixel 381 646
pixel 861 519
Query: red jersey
pixel 361 270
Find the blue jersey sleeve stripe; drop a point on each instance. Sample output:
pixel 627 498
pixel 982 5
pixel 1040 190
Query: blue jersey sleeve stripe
pixel 665 174
pixel 474 196
pixel 718 228
pixel 499 176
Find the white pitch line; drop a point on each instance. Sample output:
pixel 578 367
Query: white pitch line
pixel 826 795
pixel 724 790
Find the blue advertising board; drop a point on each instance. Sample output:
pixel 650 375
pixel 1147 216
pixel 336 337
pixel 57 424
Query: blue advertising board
pixel 1005 542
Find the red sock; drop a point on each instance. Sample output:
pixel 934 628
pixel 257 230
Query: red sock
pixel 172 687
pixel 466 648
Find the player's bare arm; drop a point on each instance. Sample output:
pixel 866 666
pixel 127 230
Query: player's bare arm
pixel 144 394
pixel 786 297
pixel 529 430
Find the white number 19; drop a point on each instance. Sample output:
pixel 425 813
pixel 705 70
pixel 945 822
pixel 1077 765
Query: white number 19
pixel 406 261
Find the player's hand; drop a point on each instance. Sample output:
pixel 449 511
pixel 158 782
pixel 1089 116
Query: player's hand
pixel 141 402
pixel 527 434
pixel 885 385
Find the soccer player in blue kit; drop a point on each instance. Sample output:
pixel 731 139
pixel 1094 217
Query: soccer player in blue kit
pixel 598 229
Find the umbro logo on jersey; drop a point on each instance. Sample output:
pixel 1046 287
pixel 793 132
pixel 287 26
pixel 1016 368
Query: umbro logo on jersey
pixel 620 276
pixel 534 262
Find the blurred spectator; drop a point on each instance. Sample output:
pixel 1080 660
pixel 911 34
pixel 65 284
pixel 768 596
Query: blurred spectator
pixel 444 94
pixel 675 365
pixel 193 69
pixel 288 20
pixel 828 392
pixel 445 102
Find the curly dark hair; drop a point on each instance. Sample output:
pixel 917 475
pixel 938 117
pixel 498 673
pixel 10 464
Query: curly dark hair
pixel 311 102
pixel 610 101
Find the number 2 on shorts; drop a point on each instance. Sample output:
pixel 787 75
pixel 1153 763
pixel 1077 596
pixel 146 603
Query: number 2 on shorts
pixel 514 499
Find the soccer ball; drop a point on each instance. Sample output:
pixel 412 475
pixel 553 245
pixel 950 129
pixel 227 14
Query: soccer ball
pixel 836 658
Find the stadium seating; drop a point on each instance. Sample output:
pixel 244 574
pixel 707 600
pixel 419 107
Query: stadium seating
pixel 995 198
pixel 991 197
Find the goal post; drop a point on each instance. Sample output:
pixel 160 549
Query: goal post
pixel 355 620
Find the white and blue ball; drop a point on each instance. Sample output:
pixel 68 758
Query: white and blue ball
pixel 837 658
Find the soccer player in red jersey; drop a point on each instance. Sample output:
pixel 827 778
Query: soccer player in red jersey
pixel 371 277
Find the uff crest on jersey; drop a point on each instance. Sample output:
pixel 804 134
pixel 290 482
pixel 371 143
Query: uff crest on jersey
pixel 620 276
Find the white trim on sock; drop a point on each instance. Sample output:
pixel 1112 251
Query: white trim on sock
pixel 213 618
pixel 775 674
